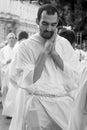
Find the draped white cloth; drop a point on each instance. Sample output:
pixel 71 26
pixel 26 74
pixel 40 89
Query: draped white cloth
pixel 6 55
pixel 9 104
pixel 49 101
pixel 80 54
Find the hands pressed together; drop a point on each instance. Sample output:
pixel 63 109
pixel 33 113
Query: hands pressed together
pixel 49 47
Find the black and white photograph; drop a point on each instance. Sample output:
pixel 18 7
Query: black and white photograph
pixel 43 64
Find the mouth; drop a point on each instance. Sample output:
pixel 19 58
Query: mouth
pixel 48 34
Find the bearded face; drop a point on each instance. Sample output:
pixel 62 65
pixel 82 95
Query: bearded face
pixel 48 24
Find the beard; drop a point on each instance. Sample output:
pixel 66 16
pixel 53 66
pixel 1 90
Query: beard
pixel 47 34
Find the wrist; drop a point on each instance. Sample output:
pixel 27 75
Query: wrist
pixel 53 53
pixel 45 52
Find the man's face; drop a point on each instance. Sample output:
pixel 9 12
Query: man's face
pixel 48 24
pixel 66 10
pixel 11 40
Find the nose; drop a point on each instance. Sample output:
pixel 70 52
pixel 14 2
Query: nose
pixel 49 28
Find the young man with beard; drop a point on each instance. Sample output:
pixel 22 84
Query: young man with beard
pixel 46 75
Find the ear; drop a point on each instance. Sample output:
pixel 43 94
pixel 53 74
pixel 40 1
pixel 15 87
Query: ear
pixel 57 21
pixel 37 21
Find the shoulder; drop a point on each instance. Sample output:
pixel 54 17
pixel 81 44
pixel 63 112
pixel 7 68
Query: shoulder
pixel 64 47
pixel 63 42
pixel 4 48
pixel 62 39
pixel 30 43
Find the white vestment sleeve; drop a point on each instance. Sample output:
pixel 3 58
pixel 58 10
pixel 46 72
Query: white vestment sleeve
pixel 22 67
pixel 71 77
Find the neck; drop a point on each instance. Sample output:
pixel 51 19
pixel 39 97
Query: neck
pixel 11 46
pixel 43 40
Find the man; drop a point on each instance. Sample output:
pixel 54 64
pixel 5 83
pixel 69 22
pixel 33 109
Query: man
pixel 6 54
pixel 9 103
pixel 70 36
pixel 44 67
pixel 79 54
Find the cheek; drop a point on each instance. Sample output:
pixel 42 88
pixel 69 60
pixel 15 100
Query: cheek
pixel 11 41
pixel 54 28
pixel 43 28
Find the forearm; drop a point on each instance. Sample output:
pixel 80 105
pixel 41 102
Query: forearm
pixel 39 66
pixel 58 61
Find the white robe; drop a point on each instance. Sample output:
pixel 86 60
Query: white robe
pixel 81 54
pixel 52 105
pixel 6 54
pixel 9 103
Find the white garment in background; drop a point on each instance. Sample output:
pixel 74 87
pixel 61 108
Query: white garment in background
pixel 6 54
pixel 80 54
pixel 9 104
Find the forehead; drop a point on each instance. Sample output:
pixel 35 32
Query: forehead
pixel 51 18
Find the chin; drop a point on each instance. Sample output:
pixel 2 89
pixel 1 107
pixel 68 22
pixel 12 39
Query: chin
pixel 47 37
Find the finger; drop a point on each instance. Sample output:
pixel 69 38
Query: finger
pixel 54 36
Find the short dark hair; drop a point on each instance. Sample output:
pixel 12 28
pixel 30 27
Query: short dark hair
pixel 49 8
pixel 22 35
pixel 68 34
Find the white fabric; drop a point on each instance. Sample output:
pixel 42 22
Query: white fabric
pixel 9 103
pixel 80 54
pixel 78 118
pixel 6 54
pixel 53 81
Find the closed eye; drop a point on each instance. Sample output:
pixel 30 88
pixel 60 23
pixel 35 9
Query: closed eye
pixel 45 23
pixel 54 24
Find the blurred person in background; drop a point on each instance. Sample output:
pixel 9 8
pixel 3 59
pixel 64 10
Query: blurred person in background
pixel 6 55
pixel 68 15
pixel 22 36
pixel 69 35
pixel 80 55
pixel 9 104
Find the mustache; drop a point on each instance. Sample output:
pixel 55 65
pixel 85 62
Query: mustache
pixel 48 32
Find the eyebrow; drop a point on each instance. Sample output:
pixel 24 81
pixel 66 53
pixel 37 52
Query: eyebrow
pixel 48 23
pixel 11 37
